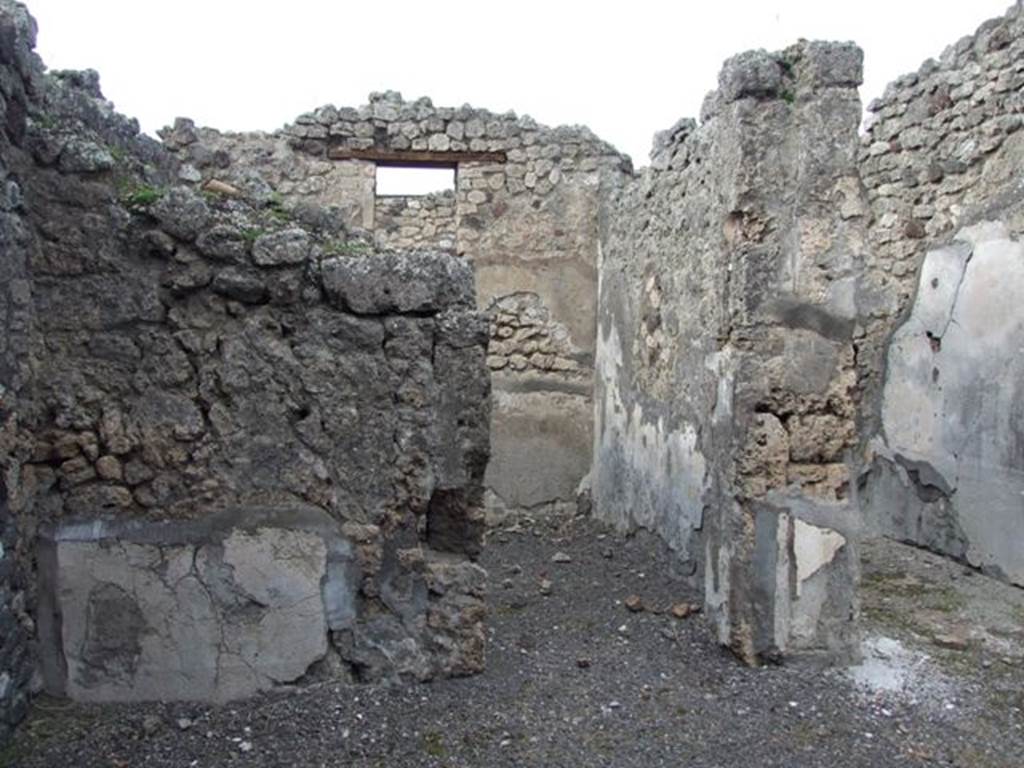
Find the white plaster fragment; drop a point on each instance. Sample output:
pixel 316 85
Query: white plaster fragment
pixel 182 621
pixel 813 549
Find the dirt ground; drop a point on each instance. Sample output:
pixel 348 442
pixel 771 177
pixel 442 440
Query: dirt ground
pixel 576 678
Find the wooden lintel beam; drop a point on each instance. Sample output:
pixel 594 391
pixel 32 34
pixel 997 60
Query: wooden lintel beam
pixel 413 157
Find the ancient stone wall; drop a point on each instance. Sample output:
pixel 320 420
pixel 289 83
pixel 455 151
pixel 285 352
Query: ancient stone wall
pixel 420 221
pixel 239 447
pixel 257 400
pixel 19 82
pixel 943 153
pixel 223 368
pixel 725 377
pixel 266 169
pixel 245 401
pixel 525 216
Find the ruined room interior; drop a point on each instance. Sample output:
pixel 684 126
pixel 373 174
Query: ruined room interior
pixel 261 423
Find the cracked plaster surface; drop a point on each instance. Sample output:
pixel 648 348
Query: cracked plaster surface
pixel 217 621
pixel 952 396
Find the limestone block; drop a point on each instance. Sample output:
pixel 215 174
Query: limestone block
pixel 832 64
pixel 182 213
pixel 752 73
pixel 222 243
pixel 240 286
pixel 83 156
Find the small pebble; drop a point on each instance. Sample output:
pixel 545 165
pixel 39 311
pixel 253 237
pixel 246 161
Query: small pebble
pixel 150 724
pixel 682 610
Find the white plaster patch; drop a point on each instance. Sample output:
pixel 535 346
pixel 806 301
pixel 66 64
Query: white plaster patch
pixel 671 470
pixel 783 608
pixel 721 364
pixel 984 231
pixel 813 548
pixel 186 621
pixel 717 600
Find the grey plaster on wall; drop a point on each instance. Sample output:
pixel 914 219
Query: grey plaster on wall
pixel 952 409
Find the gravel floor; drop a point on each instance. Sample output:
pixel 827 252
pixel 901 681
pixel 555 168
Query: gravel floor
pixel 574 679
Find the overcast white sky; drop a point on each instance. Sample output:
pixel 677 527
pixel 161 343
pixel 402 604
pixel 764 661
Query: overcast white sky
pixel 626 69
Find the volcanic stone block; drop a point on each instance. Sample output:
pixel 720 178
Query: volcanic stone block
pixel 398 282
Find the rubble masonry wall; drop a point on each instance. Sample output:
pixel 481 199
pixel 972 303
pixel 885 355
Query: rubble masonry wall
pixel 239 450
pixel 19 84
pixel 526 219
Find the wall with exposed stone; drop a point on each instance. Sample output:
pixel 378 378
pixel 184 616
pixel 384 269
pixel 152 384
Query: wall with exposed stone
pixel 238 405
pixel 246 403
pixel 247 394
pixel 20 83
pixel 240 448
pixel 725 374
pixel 422 221
pixel 266 169
pixel 526 219
pixel 941 156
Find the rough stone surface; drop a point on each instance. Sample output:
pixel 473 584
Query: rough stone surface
pixel 725 381
pixel 172 353
pixel 415 222
pixel 21 85
pixel 405 283
pixel 528 225
pixel 788 342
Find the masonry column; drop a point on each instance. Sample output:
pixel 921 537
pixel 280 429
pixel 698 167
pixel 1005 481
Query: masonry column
pixel 725 381
pixel 781 553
